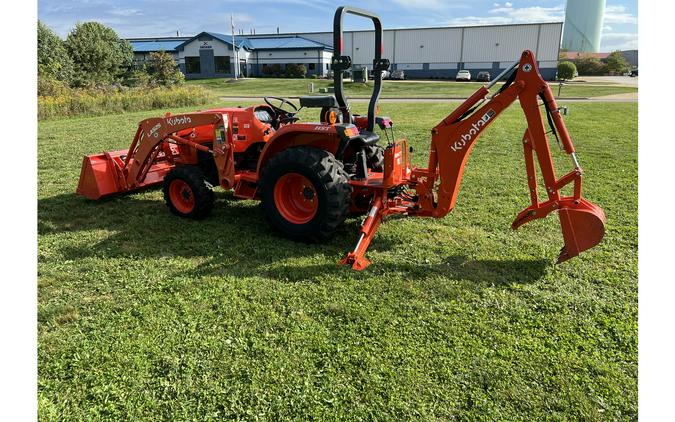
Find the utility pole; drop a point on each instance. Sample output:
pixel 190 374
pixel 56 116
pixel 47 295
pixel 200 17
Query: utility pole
pixel 234 48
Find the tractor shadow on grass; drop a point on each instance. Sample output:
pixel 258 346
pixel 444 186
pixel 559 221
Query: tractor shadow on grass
pixel 235 240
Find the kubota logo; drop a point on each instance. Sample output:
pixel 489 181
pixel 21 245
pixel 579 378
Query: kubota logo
pixel 173 121
pixel 475 129
pixel 153 131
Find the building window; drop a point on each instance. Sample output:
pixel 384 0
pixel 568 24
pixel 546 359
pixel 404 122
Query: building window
pixel 222 64
pixel 312 66
pixel 192 65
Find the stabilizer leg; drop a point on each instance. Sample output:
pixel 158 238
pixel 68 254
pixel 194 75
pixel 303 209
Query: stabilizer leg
pixel 356 259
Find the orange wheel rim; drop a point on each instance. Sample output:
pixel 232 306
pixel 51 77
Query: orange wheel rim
pixel 181 196
pixel 295 198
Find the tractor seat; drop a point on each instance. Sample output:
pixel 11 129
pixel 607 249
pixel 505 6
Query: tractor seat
pixel 313 101
pixel 369 138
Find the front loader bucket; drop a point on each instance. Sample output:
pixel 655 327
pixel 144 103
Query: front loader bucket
pixel 102 174
pixel 99 175
pixel 583 226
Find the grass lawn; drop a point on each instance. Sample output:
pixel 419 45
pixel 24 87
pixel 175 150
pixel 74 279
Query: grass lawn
pixel 390 89
pixel 144 316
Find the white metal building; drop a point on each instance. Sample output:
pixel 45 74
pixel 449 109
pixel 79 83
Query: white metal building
pixel 419 52
pixel 441 52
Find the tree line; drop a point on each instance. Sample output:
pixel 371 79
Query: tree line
pixel 587 65
pixel 92 55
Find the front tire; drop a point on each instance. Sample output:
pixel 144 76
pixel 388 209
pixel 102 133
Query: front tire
pixel 305 193
pixel 187 193
pixel 375 157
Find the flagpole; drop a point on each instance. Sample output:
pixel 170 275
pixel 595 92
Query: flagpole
pixel 234 48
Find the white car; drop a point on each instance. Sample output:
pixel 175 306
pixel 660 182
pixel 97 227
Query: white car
pixel 463 75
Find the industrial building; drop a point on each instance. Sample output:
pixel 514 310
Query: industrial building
pixel 419 52
pixel 211 55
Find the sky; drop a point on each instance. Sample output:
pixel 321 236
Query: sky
pixel 143 18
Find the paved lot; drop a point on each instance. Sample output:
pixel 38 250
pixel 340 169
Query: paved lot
pixel 619 80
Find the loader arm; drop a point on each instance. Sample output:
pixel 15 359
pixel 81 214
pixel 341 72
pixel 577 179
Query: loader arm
pixel 152 154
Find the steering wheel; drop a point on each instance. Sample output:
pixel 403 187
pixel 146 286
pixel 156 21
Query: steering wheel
pixel 282 114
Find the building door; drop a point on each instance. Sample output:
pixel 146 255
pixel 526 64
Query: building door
pixel 242 68
pixel 207 63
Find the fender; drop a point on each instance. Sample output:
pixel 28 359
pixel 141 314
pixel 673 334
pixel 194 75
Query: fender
pixel 318 135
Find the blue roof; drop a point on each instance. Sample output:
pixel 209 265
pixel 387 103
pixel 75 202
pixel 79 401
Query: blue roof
pixel 146 46
pixel 274 43
pixel 263 43
pixel 238 39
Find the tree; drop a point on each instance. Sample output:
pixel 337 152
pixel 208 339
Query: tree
pixel 99 55
pixel 566 70
pixel 164 70
pixel 52 56
pixel 616 62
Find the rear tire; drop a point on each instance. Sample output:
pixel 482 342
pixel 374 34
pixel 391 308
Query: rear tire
pixel 187 193
pixel 305 193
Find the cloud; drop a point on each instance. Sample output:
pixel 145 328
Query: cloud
pixel 421 4
pixel 619 41
pixel 125 12
pixel 619 14
pixel 508 14
pixel 607 28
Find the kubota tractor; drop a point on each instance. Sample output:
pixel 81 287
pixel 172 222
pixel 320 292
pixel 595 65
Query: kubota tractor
pixel 310 176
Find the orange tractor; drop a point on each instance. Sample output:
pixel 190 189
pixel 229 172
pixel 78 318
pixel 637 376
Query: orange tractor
pixel 310 177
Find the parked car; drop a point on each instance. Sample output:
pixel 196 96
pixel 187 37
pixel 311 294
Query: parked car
pixel 633 73
pixel 397 74
pixel 385 74
pixel 483 77
pixel 463 75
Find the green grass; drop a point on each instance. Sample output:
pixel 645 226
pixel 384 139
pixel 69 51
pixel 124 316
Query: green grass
pixel 390 89
pixel 144 316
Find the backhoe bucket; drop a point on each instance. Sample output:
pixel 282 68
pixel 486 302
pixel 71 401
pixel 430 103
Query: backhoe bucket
pixel 583 226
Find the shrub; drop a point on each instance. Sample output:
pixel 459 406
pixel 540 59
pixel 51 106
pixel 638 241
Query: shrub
pixel 295 70
pixel 52 57
pixel 589 66
pixel 50 86
pixel 267 71
pixel 163 69
pixel 275 70
pixel 566 70
pixel 138 78
pixel 313 76
pixel 107 100
pixel 99 55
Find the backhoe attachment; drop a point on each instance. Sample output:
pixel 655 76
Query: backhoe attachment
pixel 437 186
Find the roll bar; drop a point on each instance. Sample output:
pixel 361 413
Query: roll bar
pixel 341 63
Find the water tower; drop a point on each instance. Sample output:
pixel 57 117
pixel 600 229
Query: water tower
pixel 583 25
